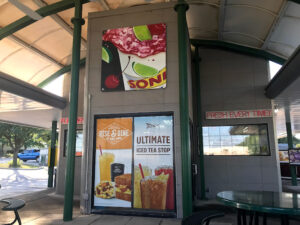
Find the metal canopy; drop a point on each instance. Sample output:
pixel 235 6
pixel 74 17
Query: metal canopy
pixel 21 88
pixel 36 35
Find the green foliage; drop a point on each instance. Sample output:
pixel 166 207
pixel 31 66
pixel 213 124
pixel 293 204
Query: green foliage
pixel 254 147
pixel 18 137
pixel 19 165
pixel 284 140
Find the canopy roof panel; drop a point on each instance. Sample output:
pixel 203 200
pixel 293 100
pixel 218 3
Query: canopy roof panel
pixel 272 26
pixel 44 47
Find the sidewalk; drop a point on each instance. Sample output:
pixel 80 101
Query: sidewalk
pixel 45 208
pixel 21 181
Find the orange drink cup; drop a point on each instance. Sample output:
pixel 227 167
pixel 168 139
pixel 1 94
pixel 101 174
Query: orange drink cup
pixel 104 164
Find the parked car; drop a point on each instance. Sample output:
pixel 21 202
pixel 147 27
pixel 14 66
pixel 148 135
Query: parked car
pixel 32 154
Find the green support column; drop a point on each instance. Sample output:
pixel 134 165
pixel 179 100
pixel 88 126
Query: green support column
pixel 199 123
pixel 183 44
pixel 52 154
pixel 69 181
pixel 289 135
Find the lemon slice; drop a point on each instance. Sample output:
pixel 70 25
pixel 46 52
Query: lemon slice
pixel 143 70
pixel 106 55
pixel 142 33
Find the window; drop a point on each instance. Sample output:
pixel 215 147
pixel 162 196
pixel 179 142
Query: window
pixel 79 142
pixel 236 140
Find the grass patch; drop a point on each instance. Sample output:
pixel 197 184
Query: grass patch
pixel 19 165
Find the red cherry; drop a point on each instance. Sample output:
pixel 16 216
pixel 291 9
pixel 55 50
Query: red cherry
pixel 112 81
pixel 157 29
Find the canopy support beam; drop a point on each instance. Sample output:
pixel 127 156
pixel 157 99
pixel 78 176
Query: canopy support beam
pixel 197 60
pixel 289 135
pixel 183 43
pixel 18 87
pixel 69 181
pixel 52 154
pixel 285 76
pixel 44 11
pixel 240 49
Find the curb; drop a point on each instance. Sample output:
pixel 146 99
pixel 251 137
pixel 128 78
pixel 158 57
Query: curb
pixel 41 167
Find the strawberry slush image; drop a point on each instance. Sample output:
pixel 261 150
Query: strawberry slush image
pixel 134 58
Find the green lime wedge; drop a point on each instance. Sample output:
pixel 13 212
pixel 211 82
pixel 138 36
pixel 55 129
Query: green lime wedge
pixel 106 55
pixel 143 70
pixel 142 33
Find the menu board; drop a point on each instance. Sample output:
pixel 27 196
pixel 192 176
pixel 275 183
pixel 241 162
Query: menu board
pixel 113 162
pixel 134 58
pixel 134 163
pixel 153 159
pixel 294 156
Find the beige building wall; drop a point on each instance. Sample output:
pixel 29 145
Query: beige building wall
pixel 62 160
pixel 231 81
pixel 103 103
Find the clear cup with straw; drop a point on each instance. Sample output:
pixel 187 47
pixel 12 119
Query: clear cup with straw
pixel 139 173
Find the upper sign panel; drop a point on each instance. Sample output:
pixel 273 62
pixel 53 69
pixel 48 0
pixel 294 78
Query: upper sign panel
pixel 134 58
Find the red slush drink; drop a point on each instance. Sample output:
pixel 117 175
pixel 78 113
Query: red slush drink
pixel 170 186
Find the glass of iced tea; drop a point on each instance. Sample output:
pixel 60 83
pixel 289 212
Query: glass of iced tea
pixel 170 204
pixel 154 192
pixel 104 164
pixel 137 203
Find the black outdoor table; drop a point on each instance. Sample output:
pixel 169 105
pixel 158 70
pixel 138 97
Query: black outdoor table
pixel 265 202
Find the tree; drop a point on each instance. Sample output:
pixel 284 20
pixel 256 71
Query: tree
pixel 17 137
pixel 284 140
pixel 2 144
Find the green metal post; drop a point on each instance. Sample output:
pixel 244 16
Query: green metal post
pixel 183 43
pixel 69 181
pixel 52 154
pixel 199 123
pixel 289 135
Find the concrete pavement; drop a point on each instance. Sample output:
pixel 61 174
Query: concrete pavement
pixel 45 208
pixel 20 181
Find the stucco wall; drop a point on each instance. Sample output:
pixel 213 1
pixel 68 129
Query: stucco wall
pixel 231 81
pixel 101 103
pixel 62 162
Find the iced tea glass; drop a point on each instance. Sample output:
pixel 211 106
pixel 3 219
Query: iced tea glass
pixel 154 192
pixel 170 203
pixel 137 203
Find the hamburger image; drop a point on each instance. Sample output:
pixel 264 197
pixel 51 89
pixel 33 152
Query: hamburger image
pixel 123 187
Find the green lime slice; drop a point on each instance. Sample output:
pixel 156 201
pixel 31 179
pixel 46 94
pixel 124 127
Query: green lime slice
pixel 143 70
pixel 106 55
pixel 142 33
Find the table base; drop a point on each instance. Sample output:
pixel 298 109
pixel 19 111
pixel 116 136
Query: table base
pixel 254 217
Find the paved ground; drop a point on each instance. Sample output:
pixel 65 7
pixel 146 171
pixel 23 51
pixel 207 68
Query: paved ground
pixel 4 159
pixel 45 208
pixel 19 181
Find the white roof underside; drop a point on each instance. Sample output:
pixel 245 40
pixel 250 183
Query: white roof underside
pixel 35 52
